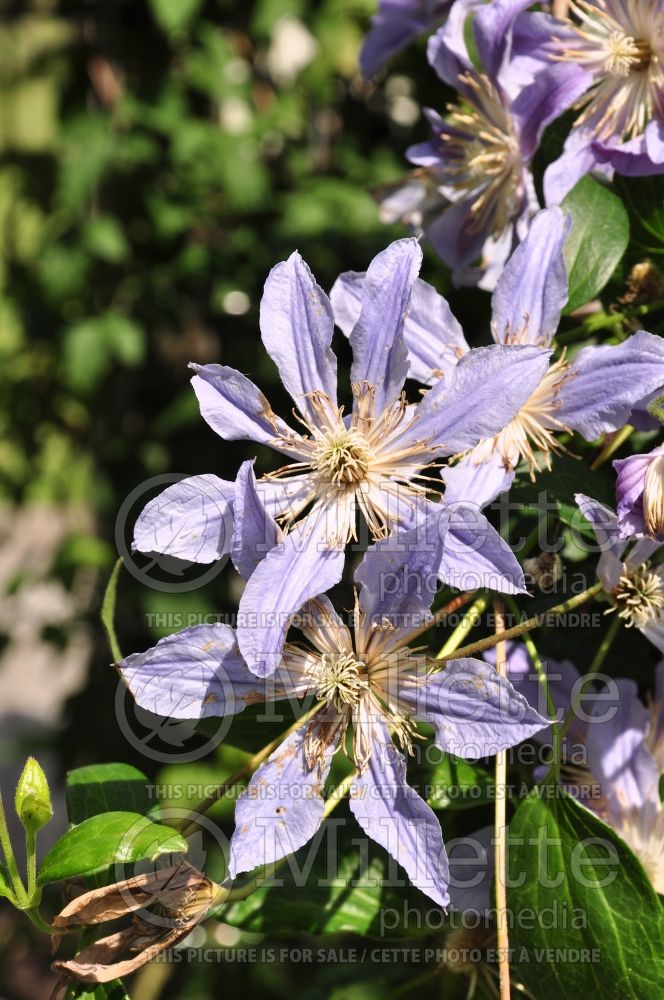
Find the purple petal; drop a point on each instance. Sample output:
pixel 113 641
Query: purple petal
pixel 296 328
pixel 654 632
pixel 395 24
pixel 576 160
pixel 300 567
pixel 617 754
pixel 532 290
pixel 493 36
pixel 195 674
pixel 393 814
pixel 191 520
pixel 611 545
pixel 472 868
pixel 474 711
pixel 483 393
pixel 281 808
pixel 399 579
pixel 474 555
pixel 607 381
pixel 455 237
pixel 255 531
pixel 380 357
pixel 630 481
pixel 235 408
pixel 433 336
pixel 642 156
pixel 551 93
pixel 480 484
pixel 447 51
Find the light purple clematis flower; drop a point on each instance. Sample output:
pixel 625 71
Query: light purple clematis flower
pixel 617 740
pixel 370 688
pixel 394 25
pixel 371 461
pixel 478 159
pixel 619 44
pixel 635 588
pixel 640 494
pixel 592 395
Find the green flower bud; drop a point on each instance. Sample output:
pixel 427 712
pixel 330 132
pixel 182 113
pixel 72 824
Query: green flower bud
pixel 33 797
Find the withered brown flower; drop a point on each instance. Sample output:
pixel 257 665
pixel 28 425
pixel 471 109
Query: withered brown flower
pixel 165 906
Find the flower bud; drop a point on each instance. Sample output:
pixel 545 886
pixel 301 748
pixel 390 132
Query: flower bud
pixel 33 797
pixel 653 497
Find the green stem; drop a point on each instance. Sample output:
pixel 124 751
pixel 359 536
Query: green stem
pixel 600 321
pixel 517 630
pixel 34 895
pixel 465 626
pixel 21 897
pixel 552 712
pixel 611 446
pixel 108 611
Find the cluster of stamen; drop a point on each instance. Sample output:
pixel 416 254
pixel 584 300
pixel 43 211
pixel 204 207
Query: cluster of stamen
pixel 482 155
pixel 619 41
pixel 340 680
pixel 639 597
pixel 342 457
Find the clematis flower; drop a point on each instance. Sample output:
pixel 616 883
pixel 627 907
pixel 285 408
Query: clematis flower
pixel 478 160
pixel 372 460
pixel 618 774
pixel 640 494
pixel 593 394
pixel 635 587
pixel 394 25
pixel 620 47
pixel 370 688
pixel 164 906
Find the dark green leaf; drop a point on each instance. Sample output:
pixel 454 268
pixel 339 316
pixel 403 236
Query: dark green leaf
pixel 578 888
pixel 101 788
pixel 174 15
pixel 103 840
pixel 596 242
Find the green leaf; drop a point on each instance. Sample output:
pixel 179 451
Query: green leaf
pixel 596 242
pixel 103 840
pixel 101 991
pixel 578 888
pixel 346 884
pixel 105 239
pixel 174 15
pixel 102 788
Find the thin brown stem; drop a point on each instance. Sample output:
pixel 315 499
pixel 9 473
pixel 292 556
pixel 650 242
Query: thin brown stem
pixel 500 822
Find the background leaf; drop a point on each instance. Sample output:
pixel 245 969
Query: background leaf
pixel 555 838
pixel 596 242
pixel 102 788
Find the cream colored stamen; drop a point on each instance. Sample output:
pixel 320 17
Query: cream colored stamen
pixel 342 458
pixel 653 497
pixel 639 597
pixel 340 680
pixel 625 54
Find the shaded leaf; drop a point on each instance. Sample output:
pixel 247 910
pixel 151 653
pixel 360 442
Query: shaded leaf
pixel 596 242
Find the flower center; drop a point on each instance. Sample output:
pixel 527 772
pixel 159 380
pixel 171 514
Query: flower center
pixel 342 457
pixel 653 497
pixel 341 679
pixel 639 597
pixel 482 156
pixel 533 429
pixel 624 54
